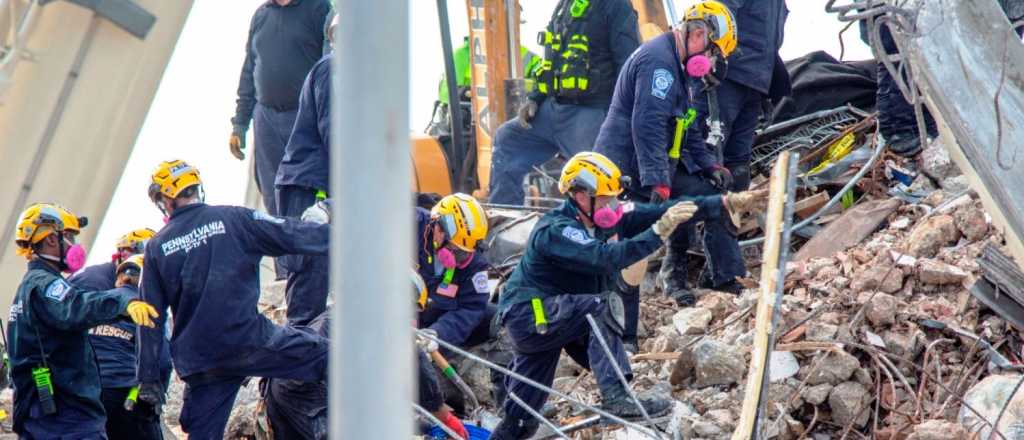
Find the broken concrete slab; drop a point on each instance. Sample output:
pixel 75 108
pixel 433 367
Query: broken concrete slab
pixel 972 222
pixel 852 227
pixel 932 271
pixel 938 430
pixel 692 321
pixel 837 366
pixel 817 394
pixel 881 310
pixel 988 397
pixel 718 364
pixel 927 238
pixel 881 275
pixel 849 402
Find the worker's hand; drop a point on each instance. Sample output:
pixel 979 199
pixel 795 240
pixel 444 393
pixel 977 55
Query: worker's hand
pixel 237 142
pixel 142 313
pixel 526 113
pixel 153 394
pixel 319 213
pixel 426 344
pixel 660 193
pixel 746 201
pixel 673 217
pixel 719 176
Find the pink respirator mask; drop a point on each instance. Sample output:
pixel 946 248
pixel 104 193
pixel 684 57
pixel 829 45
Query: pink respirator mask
pixel 608 216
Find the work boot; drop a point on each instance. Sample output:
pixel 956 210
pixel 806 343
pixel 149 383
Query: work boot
pixel 514 429
pixel 732 287
pixel 906 144
pixel 615 399
pixel 673 272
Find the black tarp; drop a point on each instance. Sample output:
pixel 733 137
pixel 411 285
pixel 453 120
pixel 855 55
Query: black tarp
pixel 820 82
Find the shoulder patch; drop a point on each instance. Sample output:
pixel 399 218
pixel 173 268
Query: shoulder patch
pixel 262 216
pixel 661 82
pixel 576 235
pixel 480 282
pixel 58 290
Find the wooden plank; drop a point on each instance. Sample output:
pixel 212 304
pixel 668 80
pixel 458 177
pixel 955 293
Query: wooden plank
pixel 808 206
pixel 848 230
pixel 773 257
pixel 489 60
pixel 651 17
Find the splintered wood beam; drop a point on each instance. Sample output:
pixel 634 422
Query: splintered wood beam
pixel 782 187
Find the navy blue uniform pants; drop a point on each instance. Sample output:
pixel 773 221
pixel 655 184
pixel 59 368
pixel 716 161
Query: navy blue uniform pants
pixel 536 355
pixel 271 129
pixel 209 396
pixel 141 423
pixel 306 292
pixel 724 262
pixel 895 114
pixel 67 424
pixel 556 128
pixel 739 108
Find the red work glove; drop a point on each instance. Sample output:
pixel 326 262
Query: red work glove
pixel 660 193
pixel 455 425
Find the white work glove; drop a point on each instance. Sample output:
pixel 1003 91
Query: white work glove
pixel 737 204
pixel 673 217
pixel 319 213
pixel 426 344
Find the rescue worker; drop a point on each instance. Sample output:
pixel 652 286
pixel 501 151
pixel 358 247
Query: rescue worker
pixel 649 132
pixel 114 344
pixel 755 78
pixel 53 368
pixel 302 180
pixel 566 273
pixel 204 265
pixel 286 37
pixel 585 45
pixel 102 276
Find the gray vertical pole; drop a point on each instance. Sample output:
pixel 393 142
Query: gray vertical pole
pixel 371 251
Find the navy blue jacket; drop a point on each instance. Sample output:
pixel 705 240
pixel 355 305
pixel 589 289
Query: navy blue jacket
pixel 204 265
pixel 651 93
pixel 48 310
pixel 96 277
pixel 611 26
pixel 307 155
pixel 284 42
pixel 562 257
pixel 761 26
pixel 114 343
pixel 453 318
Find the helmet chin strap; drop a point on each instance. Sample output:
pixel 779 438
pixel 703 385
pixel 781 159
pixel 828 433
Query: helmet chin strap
pixel 579 209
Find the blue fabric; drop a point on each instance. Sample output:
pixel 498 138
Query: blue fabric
pixel 456 318
pixel 895 114
pixel 760 25
pixel 141 423
pixel 306 291
pixel 68 424
pixel 298 409
pixel 307 155
pixel 536 355
pixel 652 91
pixel 96 277
pixel 563 258
pixel 271 129
pixel 284 42
pixel 613 32
pixel 49 311
pixel 739 108
pixel 555 129
pixel 204 265
pixel 289 353
pixel 724 260
pixel 114 343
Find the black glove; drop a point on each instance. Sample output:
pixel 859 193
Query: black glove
pixel 720 177
pixel 153 394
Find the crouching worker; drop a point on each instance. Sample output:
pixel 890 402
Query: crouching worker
pixel 566 273
pixel 56 381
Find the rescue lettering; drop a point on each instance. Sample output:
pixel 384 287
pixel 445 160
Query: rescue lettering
pixel 111 331
pixel 197 237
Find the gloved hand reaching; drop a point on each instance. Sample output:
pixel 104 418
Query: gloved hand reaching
pixel 737 204
pixel 673 217
pixel 237 142
pixel 426 344
pixel 720 177
pixel 319 213
pixel 141 313
pixel 526 112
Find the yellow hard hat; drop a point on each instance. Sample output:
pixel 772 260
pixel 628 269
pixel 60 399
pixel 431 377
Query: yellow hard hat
pixel 592 172
pixel 132 261
pixel 419 289
pixel 722 24
pixel 172 177
pixel 135 240
pixel 40 220
pixel 463 220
